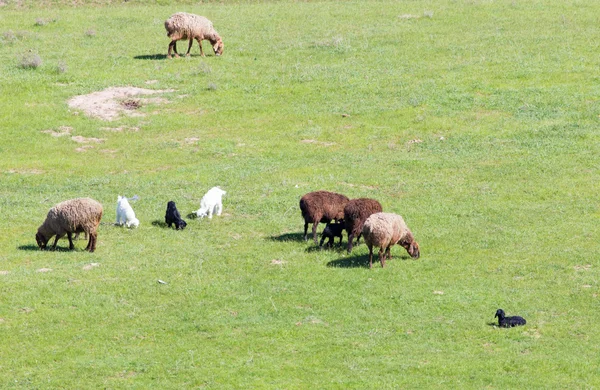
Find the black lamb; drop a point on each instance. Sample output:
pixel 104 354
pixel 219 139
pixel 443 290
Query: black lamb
pixel 331 231
pixel 508 322
pixel 173 217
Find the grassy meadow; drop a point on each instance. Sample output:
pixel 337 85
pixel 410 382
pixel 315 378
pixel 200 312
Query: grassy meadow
pixel 475 120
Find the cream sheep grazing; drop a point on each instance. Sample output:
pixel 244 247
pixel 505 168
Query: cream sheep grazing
pixel 68 217
pixel 385 230
pixel 189 26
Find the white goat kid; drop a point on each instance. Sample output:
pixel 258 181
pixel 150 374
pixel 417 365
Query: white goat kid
pixel 212 202
pixel 125 214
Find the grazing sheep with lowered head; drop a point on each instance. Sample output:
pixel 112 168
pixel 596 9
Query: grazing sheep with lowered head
pixel 331 231
pixel 356 213
pixel 385 230
pixel 508 322
pixel 189 26
pixel 68 217
pixel 321 206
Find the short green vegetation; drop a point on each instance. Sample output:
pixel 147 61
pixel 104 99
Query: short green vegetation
pixel 477 121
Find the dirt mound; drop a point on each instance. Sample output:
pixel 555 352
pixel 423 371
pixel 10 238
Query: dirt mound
pixel 110 103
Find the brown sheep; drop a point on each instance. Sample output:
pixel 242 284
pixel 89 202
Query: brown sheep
pixel 385 230
pixel 68 217
pixel 189 26
pixel 356 213
pixel 321 206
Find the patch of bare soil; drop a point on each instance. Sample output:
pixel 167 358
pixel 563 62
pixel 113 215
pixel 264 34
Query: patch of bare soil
pixel 112 102
pixel 26 171
pixel 84 140
pixel 4 272
pixel 90 266
pixel 83 148
pixel 192 140
pixel 63 130
pixel 120 129
pixel 313 141
pixel 44 270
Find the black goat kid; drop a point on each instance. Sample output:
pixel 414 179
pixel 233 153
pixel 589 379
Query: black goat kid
pixel 173 217
pixel 508 322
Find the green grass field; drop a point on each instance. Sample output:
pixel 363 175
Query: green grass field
pixel 475 120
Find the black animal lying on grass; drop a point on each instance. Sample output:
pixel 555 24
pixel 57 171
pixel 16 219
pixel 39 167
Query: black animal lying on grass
pixel 508 322
pixel 331 231
pixel 173 217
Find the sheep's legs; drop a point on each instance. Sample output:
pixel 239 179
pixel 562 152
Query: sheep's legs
pixel 189 47
pixel 91 246
pixel 55 241
pixel 370 257
pixel 305 231
pixel 350 239
pixel 314 231
pixel 387 253
pixel 382 256
pixel 199 44
pixel 173 46
pixel 70 237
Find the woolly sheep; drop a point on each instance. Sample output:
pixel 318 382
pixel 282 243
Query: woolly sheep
pixel 189 26
pixel 385 230
pixel 321 206
pixel 68 217
pixel 212 202
pixel 356 213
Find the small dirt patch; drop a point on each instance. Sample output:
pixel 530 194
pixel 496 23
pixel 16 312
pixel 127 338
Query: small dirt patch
pixel 131 104
pixel 83 140
pixel 26 171
pixel 62 131
pixel 120 129
pixel 108 104
pixel 4 272
pixel 90 266
pixel 44 270
pixel 313 141
pixel 84 148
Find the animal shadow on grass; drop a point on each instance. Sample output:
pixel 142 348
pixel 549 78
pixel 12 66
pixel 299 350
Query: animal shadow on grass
pixel 151 57
pixel 288 237
pixel 159 223
pixel 361 261
pixel 334 248
pixel 48 248
pixel 29 247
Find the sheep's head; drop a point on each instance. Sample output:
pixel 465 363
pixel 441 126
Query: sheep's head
pixel 499 313
pixel 41 240
pixel 412 248
pixel 217 46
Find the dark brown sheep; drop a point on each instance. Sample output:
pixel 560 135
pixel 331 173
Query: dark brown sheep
pixel 322 206
pixel 356 213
